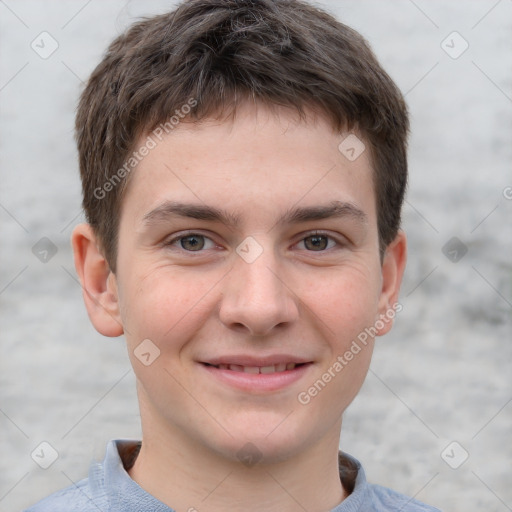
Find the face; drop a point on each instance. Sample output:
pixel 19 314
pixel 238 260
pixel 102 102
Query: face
pixel 248 255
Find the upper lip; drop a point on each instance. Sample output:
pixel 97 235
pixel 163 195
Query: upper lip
pixel 249 360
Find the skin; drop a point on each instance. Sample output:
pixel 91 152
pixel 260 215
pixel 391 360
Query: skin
pixel 198 305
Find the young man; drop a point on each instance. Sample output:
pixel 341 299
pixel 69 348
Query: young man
pixel 243 167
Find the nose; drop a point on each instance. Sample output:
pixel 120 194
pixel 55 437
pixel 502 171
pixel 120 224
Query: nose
pixel 256 298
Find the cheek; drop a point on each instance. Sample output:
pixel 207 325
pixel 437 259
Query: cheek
pixel 345 301
pixel 347 307
pixel 346 310
pixel 164 305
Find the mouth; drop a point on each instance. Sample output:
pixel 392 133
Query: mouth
pixel 257 376
pixel 276 368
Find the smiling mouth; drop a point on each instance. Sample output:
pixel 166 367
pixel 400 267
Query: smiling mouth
pixel 277 368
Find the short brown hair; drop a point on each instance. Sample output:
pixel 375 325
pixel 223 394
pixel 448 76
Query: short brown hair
pixel 215 54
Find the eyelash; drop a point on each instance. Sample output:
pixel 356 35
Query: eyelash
pixel 176 239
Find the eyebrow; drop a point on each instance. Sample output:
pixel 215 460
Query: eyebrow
pixel 335 209
pixel 168 209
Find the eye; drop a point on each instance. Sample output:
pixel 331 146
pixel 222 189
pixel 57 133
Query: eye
pixel 318 242
pixel 192 243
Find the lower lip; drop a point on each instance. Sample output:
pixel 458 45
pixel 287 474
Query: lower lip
pixel 258 382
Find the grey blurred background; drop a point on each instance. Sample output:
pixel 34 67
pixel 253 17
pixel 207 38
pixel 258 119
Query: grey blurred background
pixel 442 376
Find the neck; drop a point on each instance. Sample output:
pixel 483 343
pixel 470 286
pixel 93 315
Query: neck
pixel 188 477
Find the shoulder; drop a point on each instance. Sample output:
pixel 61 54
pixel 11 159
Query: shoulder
pixel 75 498
pixel 384 499
pixel 106 483
pixel 372 497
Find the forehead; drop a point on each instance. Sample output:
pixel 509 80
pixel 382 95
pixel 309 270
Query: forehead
pixel 258 162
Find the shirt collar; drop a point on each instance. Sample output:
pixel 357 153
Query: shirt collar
pixel 125 495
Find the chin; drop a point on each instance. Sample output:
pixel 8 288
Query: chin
pixel 265 439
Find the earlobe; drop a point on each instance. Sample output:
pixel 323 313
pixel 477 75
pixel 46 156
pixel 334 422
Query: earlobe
pixel 393 266
pixel 99 284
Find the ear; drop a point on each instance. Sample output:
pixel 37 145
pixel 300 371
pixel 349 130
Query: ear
pixel 393 266
pixel 99 284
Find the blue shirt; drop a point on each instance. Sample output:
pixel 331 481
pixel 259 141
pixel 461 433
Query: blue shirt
pixel 109 488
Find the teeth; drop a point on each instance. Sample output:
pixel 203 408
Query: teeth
pixel 281 367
